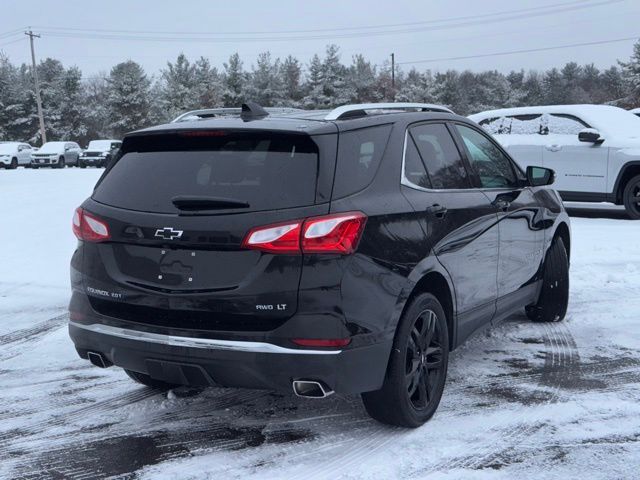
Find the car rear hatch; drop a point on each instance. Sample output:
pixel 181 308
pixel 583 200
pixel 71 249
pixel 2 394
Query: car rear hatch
pixel 177 207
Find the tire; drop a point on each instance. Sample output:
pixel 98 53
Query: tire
pixel 554 295
pixel 60 163
pixel 410 399
pixel 14 164
pixel 631 197
pixel 81 164
pixel 145 379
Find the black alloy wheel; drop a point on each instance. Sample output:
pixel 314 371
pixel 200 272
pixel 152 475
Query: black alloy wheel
pixel 417 371
pixel 423 364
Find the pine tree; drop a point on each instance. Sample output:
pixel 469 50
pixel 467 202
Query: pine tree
pixel 178 86
pixel 314 85
pixel 631 72
pixel 291 77
pixel 265 85
pixel 96 114
pixel 128 98
pixel 362 79
pixel 235 80
pixel 417 87
pixel 553 87
pixel 614 86
pixel 72 124
pixel 208 85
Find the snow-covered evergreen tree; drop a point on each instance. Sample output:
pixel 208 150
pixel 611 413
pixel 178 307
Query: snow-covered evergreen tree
pixel 631 72
pixel 128 98
pixel 291 75
pixel 362 79
pixel 96 113
pixel 178 84
pixel 265 84
pixel 235 80
pixel 208 85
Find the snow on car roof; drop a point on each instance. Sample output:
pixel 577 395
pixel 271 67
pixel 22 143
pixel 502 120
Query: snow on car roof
pixel 609 120
pixel 635 110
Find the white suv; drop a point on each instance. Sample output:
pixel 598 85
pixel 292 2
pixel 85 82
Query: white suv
pixel 594 149
pixel 57 155
pixel 13 154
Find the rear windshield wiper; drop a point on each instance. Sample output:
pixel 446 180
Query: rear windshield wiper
pixel 189 202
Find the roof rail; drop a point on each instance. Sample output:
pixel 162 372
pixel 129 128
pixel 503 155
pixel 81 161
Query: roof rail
pixel 247 109
pixel 360 109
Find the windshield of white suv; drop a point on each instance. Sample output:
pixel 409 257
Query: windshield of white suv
pixel 52 147
pixel 100 145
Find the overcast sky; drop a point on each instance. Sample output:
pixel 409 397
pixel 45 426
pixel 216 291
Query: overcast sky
pixel 97 35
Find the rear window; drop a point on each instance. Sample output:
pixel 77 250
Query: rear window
pixel 266 170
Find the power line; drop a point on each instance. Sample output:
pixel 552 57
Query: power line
pixel 529 50
pixel 13 41
pixel 11 33
pixel 320 30
pixel 67 33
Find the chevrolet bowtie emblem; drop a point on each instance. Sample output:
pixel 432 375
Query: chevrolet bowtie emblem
pixel 168 233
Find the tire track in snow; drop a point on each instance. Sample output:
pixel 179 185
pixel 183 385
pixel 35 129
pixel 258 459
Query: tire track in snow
pixel 561 357
pixel 12 343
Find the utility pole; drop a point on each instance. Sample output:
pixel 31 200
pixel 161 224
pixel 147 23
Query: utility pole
pixel 43 133
pixel 393 75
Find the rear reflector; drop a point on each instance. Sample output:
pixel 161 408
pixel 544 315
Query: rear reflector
pixel 337 233
pixel 88 227
pixel 321 342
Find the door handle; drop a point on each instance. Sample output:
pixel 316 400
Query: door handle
pixel 502 204
pixel 554 148
pixel 437 210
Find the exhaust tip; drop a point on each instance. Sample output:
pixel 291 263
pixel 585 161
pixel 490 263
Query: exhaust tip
pixel 311 389
pixel 98 360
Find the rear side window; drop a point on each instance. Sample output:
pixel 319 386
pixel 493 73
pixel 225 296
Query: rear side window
pixel 266 170
pixel 359 155
pixel 440 156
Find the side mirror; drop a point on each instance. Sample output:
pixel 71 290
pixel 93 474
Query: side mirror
pixel 540 176
pixel 590 135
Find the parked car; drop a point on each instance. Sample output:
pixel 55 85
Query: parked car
pixel 340 251
pixel 99 153
pixel 636 111
pixel 57 155
pixel 594 149
pixel 13 154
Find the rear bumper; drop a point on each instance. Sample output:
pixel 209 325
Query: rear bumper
pixel 245 364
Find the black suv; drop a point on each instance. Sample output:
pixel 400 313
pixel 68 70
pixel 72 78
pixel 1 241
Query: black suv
pixel 344 251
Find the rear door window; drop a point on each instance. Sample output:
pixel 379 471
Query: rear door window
pixel 440 156
pixel 265 170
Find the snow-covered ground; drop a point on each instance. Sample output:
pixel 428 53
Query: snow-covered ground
pixel 522 401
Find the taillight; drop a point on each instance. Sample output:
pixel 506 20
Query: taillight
pixel 337 233
pixel 279 238
pixel 89 228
